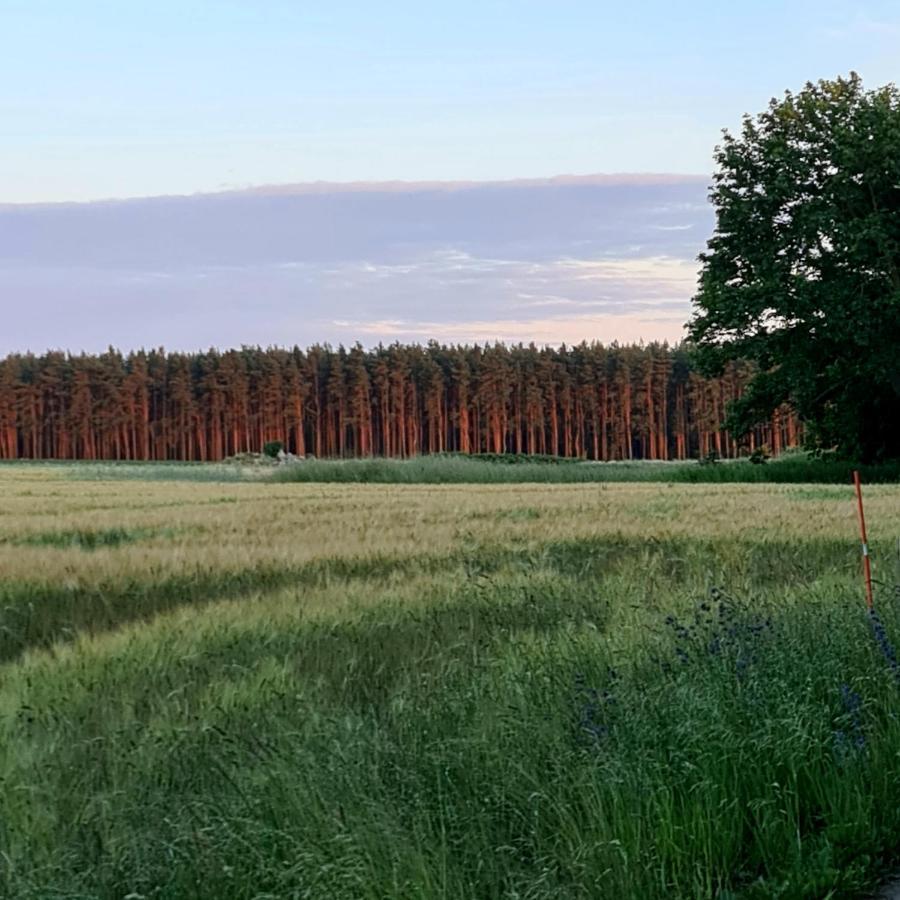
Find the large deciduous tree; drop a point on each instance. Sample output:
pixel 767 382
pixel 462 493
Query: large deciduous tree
pixel 802 274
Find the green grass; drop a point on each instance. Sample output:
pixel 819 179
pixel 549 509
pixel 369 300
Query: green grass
pixel 570 694
pixel 595 719
pixel 89 539
pixel 793 467
pixel 454 469
pixel 36 615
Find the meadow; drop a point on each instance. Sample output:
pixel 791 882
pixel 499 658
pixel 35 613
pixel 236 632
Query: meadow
pixel 218 684
pixel 792 467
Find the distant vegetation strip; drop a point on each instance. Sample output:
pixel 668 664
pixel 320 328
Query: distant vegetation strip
pixel 792 468
pixel 589 401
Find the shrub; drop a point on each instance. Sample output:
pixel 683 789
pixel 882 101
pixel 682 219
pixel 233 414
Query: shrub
pixel 759 456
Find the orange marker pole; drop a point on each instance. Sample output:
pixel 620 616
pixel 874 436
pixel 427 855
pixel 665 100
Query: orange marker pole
pixel 867 565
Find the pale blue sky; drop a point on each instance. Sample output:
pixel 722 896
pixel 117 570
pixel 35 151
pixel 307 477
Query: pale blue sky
pixel 119 98
pixel 137 98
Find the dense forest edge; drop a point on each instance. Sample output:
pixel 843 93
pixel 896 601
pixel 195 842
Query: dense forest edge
pixel 589 401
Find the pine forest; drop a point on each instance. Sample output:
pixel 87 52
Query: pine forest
pixel 588 401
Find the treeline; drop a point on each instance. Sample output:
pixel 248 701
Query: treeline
pixel 616 402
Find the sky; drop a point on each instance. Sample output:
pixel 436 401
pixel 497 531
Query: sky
pixel 117 99
pixel 593 259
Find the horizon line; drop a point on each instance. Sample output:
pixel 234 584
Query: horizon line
pixel 329 346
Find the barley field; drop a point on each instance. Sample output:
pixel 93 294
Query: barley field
pixel 218 686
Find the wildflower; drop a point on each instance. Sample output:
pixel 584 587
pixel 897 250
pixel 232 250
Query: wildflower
pixel 852 703
pixel 719 629
pixel 592 710
pixel 846 746
pixel 884 643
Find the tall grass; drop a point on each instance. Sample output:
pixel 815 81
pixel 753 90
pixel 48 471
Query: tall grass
pixel 792 468
pixel 523 733
pixel 565 699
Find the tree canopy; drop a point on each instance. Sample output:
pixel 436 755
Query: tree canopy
pixel 588 401
pixel 802 273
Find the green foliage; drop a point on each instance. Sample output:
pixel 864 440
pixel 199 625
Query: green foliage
pixel 802 275
pixel 759 456
pixel 273 448
pixel 798 468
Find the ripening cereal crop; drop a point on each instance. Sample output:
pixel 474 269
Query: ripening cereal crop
pixel 246 687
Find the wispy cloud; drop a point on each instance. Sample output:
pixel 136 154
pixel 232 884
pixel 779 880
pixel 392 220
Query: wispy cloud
pixel 625 327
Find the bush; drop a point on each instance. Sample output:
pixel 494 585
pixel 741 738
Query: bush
pixel 759 456
pixel 273 448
